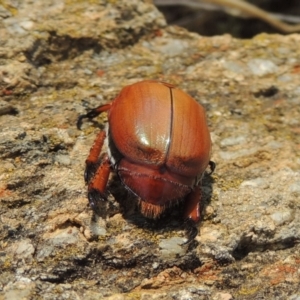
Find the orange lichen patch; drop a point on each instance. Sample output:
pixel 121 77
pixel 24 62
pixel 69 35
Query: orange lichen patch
pixel 6 92
pixel 158 33
pixel 281 272
pixel 4 192
pixel 208 271
pixel 296 69
pixel 296 130
pixel 100 72
pixel 176 276
pixel 166 278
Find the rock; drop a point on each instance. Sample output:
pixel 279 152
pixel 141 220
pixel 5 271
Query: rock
pixel 171 247
pixel 22 249
pixel 261 67
pixel 21 289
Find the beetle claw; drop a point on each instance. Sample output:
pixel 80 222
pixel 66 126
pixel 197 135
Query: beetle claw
pixel 212 166
pixel 95 198
pixel 191 231
pixel 94 195
pixel 79 121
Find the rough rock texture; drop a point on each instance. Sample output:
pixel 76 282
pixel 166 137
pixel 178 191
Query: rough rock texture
pixel 58 58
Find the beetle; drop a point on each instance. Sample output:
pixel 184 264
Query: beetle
pixel 158 144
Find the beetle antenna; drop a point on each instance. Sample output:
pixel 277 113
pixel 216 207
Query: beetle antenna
pixel 92 114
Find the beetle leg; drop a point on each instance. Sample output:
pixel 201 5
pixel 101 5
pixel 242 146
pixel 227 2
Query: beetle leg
pixel 191 231
pixel 212 166
pixel 93 113
pixel 192 208
pixel 192 213
pixel 97 186
pixel 92 161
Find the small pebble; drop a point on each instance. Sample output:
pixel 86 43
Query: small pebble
pixel 261 67
pixel 282 216
pixel 295 188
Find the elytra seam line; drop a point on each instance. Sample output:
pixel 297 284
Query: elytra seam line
pixel 171 125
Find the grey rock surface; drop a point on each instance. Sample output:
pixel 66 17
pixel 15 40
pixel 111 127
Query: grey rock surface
pixel 58 58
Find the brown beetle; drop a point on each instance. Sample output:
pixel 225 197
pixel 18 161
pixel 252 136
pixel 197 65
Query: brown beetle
pixel 158 144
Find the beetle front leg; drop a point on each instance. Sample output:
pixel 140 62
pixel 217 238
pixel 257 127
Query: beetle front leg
pixel 97 186
pixel 92 161
pixel 192 213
